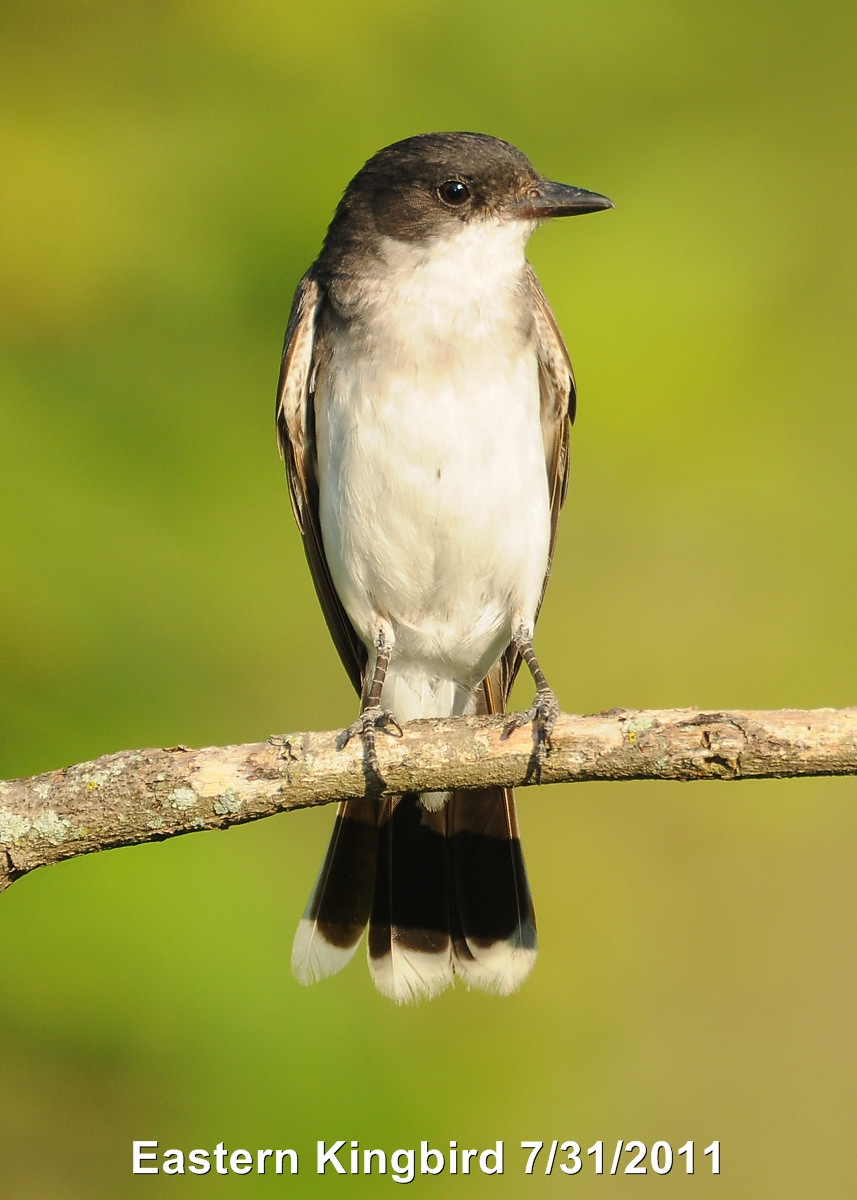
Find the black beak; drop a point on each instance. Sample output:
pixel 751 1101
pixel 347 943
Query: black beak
pixel 546 199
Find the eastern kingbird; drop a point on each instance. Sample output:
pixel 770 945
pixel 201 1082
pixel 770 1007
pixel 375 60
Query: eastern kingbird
pixel 423 411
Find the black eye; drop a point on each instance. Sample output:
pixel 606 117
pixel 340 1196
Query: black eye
pixel 454 192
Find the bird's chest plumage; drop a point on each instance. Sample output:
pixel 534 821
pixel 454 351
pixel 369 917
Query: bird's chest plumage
pixel 433 488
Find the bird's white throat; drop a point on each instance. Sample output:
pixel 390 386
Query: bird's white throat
pixel 453 285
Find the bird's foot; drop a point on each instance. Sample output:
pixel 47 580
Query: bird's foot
pixel 365 727
pixel 542 714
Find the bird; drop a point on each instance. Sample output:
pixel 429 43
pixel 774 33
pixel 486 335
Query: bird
pixel 423 411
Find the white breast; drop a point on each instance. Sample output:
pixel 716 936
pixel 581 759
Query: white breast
pixel 434 494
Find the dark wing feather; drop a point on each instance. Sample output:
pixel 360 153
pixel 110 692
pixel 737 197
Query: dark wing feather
pixel 558 407
pixel 304 355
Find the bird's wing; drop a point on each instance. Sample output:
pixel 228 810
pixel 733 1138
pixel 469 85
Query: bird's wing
pixel 558 404
pixel 304 354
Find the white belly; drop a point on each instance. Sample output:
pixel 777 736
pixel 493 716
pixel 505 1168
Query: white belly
pixel 434 499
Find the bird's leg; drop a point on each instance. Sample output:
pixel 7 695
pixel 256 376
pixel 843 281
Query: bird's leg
pixel 372 715
pixel 544 710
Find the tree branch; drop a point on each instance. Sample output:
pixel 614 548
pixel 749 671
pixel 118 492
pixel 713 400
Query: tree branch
pixel 147 795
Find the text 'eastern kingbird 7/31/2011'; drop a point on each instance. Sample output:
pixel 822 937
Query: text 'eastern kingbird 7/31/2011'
pixel 423 411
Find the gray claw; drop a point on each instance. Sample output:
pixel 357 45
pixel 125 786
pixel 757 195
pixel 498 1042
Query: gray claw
pixel 365 727
pixel 542 714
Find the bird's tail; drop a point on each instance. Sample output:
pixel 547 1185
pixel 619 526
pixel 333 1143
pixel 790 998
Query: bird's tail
pixel 444 893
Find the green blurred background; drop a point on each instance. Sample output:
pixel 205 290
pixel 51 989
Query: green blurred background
pixel 168 171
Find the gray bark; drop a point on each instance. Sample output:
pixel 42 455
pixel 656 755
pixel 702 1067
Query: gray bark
pixel 146 795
